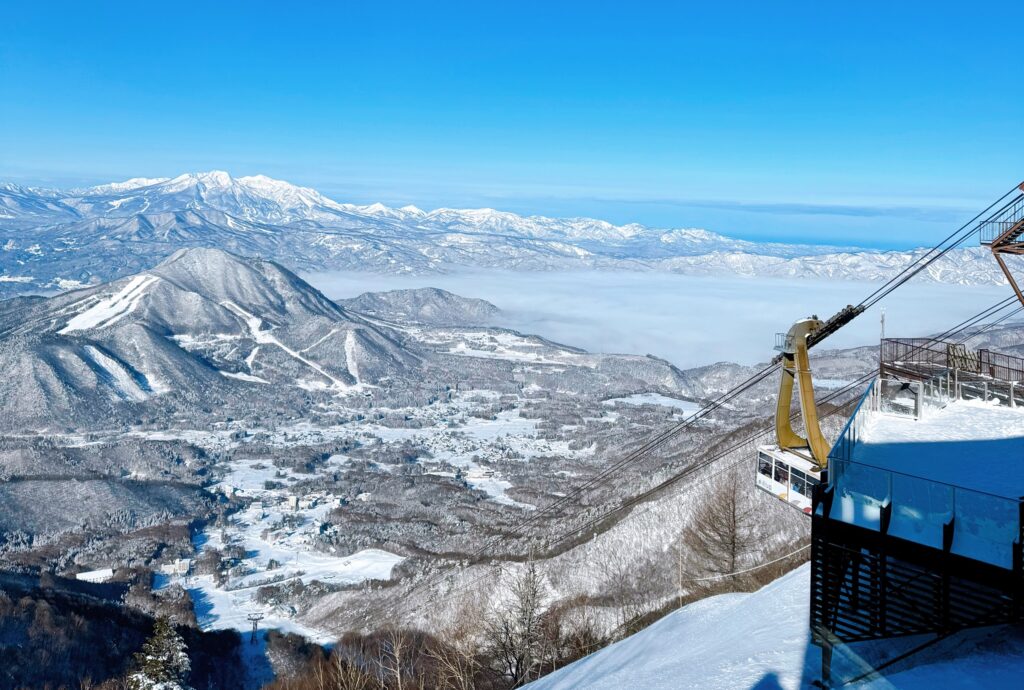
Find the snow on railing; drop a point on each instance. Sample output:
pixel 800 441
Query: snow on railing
pixel 843 447
pixel 954 369
pixel 984 526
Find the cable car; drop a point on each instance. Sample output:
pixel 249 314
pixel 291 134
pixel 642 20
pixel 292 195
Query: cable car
pixel 792 467
pixel 787 476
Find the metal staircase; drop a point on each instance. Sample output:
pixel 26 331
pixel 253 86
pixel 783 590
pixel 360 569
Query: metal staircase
pixel 1003 234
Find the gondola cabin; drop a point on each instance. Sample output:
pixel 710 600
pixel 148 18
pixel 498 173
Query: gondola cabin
pixel 787 476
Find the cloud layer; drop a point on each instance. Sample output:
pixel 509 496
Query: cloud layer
pixel 687 320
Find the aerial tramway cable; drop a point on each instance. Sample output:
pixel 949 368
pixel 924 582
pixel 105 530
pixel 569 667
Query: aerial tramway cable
pixel 909 272
pixel 953 240
pixel 927 259
pixel 690 470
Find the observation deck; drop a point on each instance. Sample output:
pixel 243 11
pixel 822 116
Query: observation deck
pixel 918 526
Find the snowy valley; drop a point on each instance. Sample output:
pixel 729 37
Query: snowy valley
pixel 209 437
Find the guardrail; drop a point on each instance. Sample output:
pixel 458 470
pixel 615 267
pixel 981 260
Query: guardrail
pixel 1004 219
pixel 926 357
pixel 970 522
pixel 843 447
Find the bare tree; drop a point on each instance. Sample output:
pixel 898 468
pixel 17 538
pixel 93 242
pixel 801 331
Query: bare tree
pixel 514 634
pixel 455 653
pixel 724 528
pixel 394 650
pixel 630 586
pixel 348 676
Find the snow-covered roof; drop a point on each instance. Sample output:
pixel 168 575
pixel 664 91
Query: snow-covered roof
pixel 957 466
pixel 96 575
pixel 967 443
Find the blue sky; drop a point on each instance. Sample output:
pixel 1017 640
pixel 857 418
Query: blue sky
pixel 873 123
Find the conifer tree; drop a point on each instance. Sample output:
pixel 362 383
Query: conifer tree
pixel 163 662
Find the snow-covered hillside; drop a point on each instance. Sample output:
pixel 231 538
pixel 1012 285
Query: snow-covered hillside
pixel 54 239
pixel 761 640
pixel 724 642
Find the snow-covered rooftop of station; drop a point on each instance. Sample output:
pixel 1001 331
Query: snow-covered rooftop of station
pixel 967 443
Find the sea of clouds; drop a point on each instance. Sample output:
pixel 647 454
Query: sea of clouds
pixel 688 320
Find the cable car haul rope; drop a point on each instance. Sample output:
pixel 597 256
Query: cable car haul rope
pixel 808 455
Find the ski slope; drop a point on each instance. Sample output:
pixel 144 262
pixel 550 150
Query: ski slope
pixel 761 640
pixel 112 309
pixel 720 643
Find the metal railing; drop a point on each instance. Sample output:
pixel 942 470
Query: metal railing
pixel 1000 222
pixel 1001 366
pixel 925 356
pixel 988 526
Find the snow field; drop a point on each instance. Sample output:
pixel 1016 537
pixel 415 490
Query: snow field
pixel 761 640
pixel 687 407
pixel 265 534
pixel 112 309
pixel 719 643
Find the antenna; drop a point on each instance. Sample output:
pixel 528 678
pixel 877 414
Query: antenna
pixel 882 316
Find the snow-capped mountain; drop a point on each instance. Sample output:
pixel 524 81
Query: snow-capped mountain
pixel 207 330
pixel 202 328
pixel 54 240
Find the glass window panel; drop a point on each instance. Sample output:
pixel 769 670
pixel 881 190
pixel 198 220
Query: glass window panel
pixel 781 473
pixel 986 527
pixel 798 482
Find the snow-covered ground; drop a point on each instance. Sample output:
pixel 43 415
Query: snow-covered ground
pixel 761 640
pixel 110 310
pixel 723 642
pixel 277 539
pixel 958 444
pixel 957 463
pixel 687 407
pixel 278 529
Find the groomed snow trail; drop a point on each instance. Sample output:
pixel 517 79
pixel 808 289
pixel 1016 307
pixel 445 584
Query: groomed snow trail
pixel 114 374
pixel 110 310
pixel 255 323
pixel 350 356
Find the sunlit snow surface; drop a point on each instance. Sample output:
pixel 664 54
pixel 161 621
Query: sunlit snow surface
pixel 761 640
pixel 959 464
pixel 112 309
pixel 260 532
pixel 687 407
pixel 451 434
pixel 723 642
pixel 967 443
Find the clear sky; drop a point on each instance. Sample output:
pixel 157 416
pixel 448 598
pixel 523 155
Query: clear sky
pixel 872 123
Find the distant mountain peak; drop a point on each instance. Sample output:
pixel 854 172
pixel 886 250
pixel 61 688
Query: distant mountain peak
pixel 53 238
pixel 126 186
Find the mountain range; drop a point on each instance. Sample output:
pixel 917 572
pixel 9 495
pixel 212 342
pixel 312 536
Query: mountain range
pixel 52 240
pixel 206 330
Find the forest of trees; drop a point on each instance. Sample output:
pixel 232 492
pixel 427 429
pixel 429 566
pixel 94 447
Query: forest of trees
pixel 497 645
pixel 500 636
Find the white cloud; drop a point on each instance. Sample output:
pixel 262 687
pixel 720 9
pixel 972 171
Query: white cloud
pixel 687 320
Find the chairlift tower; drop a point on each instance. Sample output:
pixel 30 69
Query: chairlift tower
pixel 255 618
